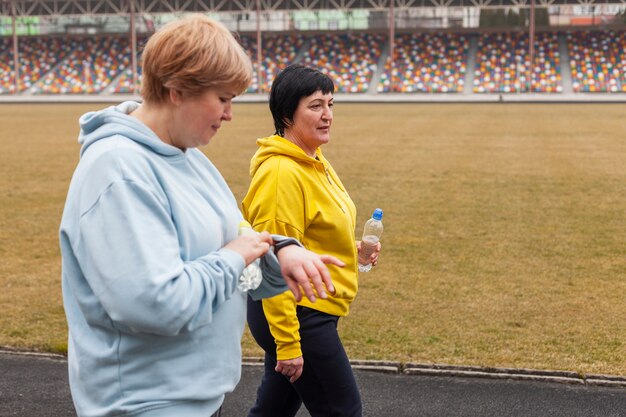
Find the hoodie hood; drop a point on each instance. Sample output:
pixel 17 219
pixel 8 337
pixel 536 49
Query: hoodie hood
pixel 277 145
pixel 116 120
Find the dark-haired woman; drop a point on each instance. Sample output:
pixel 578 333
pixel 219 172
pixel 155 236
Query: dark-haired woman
pixel 296 192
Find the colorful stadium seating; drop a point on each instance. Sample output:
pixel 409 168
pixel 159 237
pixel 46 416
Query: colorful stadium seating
pixel 278 51
pixel 349 59
pixel 597 61
pixel 6 66
pixel 427 63
pixel 38 55
pixel 124 83
pixel 502 64
pixel 90 66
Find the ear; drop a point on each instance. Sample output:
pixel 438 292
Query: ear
pixel 176 97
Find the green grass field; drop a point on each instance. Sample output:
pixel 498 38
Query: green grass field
pixel 505 228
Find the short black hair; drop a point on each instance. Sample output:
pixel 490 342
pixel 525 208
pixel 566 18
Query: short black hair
pixel 292 84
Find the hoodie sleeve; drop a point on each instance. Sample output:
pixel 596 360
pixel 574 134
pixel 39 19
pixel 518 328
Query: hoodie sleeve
pixel 128 249
pixel 277 206
pixel 280 310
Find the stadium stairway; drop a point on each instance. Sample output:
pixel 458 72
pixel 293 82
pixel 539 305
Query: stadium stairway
pixel 380 67
pixel 468 87
pixel 35 88
pixel 566 71
pixel 110 89
pixel 305 47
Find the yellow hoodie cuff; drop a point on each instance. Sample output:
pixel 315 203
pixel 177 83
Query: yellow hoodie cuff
pixel 288 351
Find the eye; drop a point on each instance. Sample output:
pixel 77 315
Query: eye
pixel 226 97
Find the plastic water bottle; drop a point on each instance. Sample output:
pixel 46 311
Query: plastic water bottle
pixel 252 276
pixel 371 236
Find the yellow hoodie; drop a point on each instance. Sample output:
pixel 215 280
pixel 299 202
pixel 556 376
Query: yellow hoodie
pixel 295 195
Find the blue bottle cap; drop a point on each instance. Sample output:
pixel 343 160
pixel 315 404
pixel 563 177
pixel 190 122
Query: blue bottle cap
pixel 378 214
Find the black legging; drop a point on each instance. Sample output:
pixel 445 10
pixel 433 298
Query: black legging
pixel 327 386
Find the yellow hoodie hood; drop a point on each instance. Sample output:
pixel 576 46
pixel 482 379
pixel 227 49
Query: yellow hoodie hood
pixel 277 145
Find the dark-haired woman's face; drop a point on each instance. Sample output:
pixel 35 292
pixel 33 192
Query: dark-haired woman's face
pixel 311 122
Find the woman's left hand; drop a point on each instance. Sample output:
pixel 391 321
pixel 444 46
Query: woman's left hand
pixel 301 268
pixel 374 255
pixel 291 368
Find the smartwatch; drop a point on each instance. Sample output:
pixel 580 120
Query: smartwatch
pixel 284 242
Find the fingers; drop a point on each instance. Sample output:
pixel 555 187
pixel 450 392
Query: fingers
pixel 374 256
pixel 325 274
pixel 295 288
pixel 293 373
pixel 250 247
pixel 292 369
pixel 313 271
pixel 266 237
pixel 264 241
pixel 329 259
pixel 319 276
pixel 302 279
pixel 296 375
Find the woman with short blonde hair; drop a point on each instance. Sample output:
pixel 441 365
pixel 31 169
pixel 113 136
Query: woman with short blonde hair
pixel 151 256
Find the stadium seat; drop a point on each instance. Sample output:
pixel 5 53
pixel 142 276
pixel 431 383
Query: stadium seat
pixel 502 64
pixel 124 83
pixel 90 66
pixel 278 51
pixel 349 59
pixel 426 63
pixel 597 61
pixel 37 56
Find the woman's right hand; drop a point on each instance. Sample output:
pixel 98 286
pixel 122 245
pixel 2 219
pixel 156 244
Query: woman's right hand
pixel 291 368
pixel 251 246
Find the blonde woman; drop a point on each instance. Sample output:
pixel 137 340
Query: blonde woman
pixel 149 239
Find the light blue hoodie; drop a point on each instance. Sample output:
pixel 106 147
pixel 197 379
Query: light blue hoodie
pixel 155 320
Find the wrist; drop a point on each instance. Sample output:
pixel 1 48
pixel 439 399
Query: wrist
pixel 283 242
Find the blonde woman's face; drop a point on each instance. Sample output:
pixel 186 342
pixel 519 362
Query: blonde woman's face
pixel 199 118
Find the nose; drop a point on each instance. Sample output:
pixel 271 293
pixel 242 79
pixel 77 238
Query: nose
pixel 227 115
pixel 327 114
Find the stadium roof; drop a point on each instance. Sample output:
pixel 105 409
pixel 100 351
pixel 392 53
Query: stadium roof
pixel 81 7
